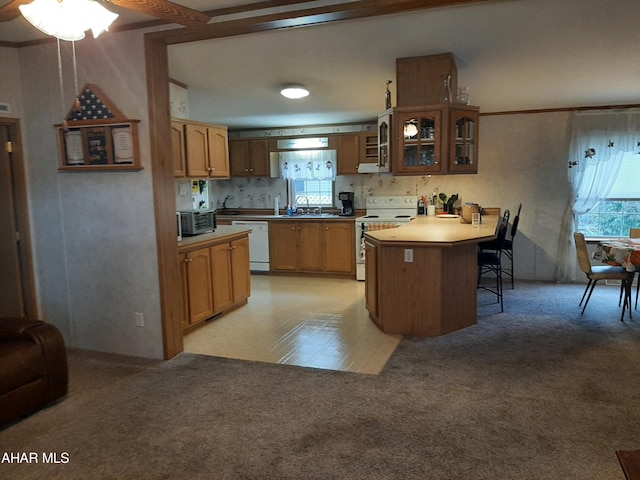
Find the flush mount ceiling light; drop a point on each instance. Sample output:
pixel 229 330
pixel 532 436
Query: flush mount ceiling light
pixel 294 91
pixel 68 19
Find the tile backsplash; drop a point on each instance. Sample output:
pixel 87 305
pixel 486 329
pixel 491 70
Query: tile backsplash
pixel 260 192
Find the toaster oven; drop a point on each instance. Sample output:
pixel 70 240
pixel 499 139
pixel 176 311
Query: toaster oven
pixel 197 221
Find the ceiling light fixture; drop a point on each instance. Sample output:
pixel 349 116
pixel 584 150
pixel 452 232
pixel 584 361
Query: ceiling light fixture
pixel 294 91
pixel 68 19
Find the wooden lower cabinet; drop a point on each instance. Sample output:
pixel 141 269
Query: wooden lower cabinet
pixel 199 292
pixel 339 249
pixel 231 274
pixel 215 279
pixel 312 246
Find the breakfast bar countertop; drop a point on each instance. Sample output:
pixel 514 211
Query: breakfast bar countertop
pixel 421 277
pixel 439 231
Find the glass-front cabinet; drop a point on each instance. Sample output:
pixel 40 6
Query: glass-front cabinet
pixel 436 139
pixel 463 141
pixel 420 142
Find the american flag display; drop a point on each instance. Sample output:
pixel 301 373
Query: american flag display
pixel 91 108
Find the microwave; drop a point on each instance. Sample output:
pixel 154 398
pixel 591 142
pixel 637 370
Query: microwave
pixel 196 222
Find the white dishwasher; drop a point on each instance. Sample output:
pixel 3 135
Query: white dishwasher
pixel 258 243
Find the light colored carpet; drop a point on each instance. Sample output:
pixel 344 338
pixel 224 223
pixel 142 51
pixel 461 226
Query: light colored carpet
pixel 539 392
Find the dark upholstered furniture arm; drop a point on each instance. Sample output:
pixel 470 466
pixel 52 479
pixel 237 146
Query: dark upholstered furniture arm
pixel 51 344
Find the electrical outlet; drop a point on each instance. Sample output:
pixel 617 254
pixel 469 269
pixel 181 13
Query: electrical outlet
pixel 408 255
pixel 139 319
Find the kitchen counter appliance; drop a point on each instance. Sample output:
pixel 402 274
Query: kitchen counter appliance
pixel 347 204
pixel 258 243
pixel 382 213
pixel 195 222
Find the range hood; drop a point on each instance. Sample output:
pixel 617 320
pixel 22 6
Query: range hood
pixel 370 168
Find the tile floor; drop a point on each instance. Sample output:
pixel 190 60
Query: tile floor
pixel 310 322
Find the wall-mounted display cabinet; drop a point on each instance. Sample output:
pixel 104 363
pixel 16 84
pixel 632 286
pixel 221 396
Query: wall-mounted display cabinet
pixel 435 139
pixel 99 146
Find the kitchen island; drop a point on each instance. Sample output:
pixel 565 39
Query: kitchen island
pixel 421 277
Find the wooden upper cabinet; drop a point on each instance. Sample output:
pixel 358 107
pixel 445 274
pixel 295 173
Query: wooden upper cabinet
pixel 420 79
pixel 435 139
pixel 348 153
pixel 205 147
pixel 354 149
pixel 249 158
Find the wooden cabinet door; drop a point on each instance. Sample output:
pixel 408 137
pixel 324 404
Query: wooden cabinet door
pixel 239 157
pixel 259 158
pixel 197 150
pixel 178 149
pixel 283 245
pixel 240 269
pixel 348 154
pixel 199 283
pixel 418 143
pixel 218 153
pixel 182 266
pixel 221 275
pixel 339 247
pixel 463 141
pixel 249 158
pixel 311 247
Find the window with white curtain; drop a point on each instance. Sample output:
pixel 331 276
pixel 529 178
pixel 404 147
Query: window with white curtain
pixel 310 175
pixel 604 171
pixel 619 211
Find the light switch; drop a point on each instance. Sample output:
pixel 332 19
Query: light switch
pixel 408 255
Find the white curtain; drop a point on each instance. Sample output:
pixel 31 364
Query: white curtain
pixel 308 165
pixel 598 144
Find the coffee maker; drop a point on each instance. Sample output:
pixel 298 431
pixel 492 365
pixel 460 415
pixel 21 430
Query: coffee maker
pixel 347 204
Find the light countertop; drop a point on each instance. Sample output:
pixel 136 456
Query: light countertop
pixel 432 230
pixel 221 234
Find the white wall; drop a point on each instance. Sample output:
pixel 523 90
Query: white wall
pixel 93 232
pixel 10 81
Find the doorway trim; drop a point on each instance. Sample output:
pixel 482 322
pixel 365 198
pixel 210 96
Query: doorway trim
pixel 157 70
pixel 19 182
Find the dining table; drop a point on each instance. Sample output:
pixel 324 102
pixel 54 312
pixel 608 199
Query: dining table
pixel 623 252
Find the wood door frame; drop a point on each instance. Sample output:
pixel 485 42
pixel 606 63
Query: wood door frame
pixel 157 70
pixel 19 182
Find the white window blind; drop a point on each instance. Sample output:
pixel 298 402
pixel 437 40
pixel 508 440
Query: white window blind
pixel 627 184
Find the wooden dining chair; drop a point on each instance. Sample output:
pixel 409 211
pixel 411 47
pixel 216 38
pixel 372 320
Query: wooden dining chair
pixel 635 233
pixel 599 272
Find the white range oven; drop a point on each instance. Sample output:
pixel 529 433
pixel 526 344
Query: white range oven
pixel 382 213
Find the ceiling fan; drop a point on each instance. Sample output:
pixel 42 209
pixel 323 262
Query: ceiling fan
pixel 163 9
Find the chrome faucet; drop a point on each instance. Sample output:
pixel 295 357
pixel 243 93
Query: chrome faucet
pixel 224 202
pixel 306 199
